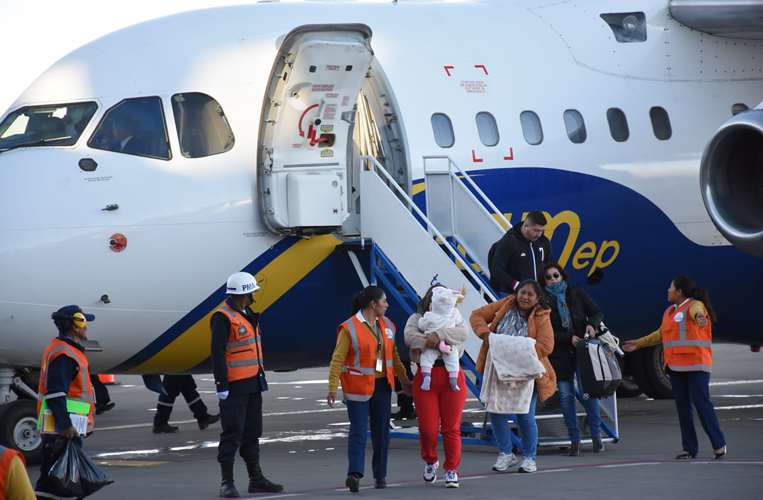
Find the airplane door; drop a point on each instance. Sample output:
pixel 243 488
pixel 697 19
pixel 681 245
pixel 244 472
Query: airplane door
pixel 305 133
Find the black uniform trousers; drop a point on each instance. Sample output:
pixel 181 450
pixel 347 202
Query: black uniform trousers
pixel 241 420
pixel 101 392
pixel 175 385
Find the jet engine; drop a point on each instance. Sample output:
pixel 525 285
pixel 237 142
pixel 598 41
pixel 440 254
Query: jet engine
pixel 731 180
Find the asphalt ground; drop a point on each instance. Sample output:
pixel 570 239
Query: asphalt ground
pixel 304 448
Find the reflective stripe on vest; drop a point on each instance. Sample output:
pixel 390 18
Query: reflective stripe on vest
pixel 243 351
pixel 80 389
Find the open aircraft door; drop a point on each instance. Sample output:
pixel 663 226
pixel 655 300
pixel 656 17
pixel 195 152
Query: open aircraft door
pixel 305 133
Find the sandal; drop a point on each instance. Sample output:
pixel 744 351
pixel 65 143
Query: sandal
pixel 685 455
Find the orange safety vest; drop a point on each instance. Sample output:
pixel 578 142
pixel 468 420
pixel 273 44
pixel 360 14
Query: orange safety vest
pixel 686 345
pixel 243 352
pixel 359 371
pixel 6 457
pixel 80 388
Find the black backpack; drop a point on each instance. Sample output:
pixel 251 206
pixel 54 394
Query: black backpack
pixel 491 264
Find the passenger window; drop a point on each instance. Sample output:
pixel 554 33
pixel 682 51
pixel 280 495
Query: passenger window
pixel 575 125
pixel 134 127
pixel 738 108
pixel 202 127
pixel 660 123
pixel 53 125
pixel 531 127
pixel 618 124
pixel 443 130
pixel 487 128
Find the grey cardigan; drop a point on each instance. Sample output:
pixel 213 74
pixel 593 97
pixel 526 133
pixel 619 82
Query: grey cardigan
pixel 415 339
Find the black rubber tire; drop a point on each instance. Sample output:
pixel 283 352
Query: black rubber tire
pixel 628 388
pixel 18 429
pixel 650 374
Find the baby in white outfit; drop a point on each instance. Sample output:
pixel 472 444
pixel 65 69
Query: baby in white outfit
pixel 443 314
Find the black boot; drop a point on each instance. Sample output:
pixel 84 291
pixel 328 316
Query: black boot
pixel 598 445
pixel 164 428
pixel 405 405
pixel 258 483
pixel 227 488
pixel 574 449
pixel 207 420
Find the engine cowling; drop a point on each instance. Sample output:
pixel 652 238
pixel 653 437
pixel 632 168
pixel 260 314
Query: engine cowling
pixel 731 180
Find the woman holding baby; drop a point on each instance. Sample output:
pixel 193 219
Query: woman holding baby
pixel 435 334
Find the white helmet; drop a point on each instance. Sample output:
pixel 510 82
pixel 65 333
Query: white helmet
pixel 241 284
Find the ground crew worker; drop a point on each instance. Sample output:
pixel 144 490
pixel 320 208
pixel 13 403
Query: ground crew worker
pixel 365 359
pixel 14 482
pixel 239 380
pixel 686 334
pixel 67 398
pixel 173 386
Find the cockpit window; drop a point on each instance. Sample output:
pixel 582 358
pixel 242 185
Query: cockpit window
pixel 134 127
pixel 52 125
pixel 202 127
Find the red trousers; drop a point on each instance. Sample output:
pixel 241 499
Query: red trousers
pixel 439 412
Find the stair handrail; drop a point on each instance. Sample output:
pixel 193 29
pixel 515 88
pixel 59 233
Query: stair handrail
pixel 430 227
pixel 465 177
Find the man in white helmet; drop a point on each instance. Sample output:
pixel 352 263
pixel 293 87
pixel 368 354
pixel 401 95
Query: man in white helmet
pixel 239 381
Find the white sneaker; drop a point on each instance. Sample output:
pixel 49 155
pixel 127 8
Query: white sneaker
pixel 528 465
pixel 505 461
pixel 451 479
pixel 430 472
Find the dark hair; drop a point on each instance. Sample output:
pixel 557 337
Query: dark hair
pixel 363 298
pixel 536 217
pixel 690 289
pixel 542 300
pixel 63 324
pixel 553 265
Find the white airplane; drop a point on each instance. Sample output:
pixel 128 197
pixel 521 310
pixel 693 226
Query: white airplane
pixel 142 169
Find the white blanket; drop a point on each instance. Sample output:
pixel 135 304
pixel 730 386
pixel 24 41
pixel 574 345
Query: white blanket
pixel 511 367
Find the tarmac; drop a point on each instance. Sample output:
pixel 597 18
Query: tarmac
pixel 304 448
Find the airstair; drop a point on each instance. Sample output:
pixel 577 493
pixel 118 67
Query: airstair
pixel 451 241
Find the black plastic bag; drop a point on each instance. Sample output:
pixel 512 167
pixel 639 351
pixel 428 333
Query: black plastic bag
pixel 74 474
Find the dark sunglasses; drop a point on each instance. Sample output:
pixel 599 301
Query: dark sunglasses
pixel 553 276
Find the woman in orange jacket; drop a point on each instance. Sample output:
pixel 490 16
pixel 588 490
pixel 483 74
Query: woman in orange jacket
pixel 366 362
pixel 686 334
pixel 524 314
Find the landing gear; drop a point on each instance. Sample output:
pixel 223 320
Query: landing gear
pixel 18 429
pixel 628 388
pixel 649 373
pixel 18 418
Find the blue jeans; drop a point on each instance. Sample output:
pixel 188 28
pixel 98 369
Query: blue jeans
pixel 377 409
pixel 567 402
pixel 528 430
pixel 694 387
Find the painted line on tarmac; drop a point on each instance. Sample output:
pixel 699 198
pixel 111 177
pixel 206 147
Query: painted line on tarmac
pixel 193 421
pixel 738 407
pixel 634 464
pixel 737 382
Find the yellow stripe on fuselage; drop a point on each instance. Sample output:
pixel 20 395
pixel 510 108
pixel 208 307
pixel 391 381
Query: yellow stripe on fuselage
pixel 192 346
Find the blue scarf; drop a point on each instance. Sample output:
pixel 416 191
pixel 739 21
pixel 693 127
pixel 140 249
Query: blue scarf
pixel 559 292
